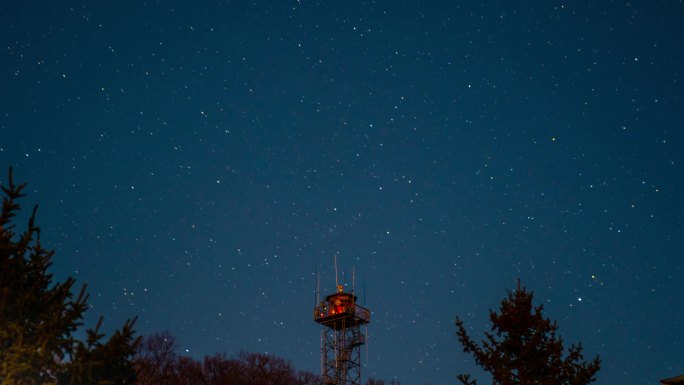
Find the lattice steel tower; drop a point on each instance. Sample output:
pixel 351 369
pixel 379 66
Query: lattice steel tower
pixel 341 337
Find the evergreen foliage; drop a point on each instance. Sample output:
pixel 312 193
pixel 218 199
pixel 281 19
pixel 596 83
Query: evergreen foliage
pixel 524 349
pixel 38 318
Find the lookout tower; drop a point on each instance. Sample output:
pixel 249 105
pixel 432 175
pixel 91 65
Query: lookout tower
pixel 341 337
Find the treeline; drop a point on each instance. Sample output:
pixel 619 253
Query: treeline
pixel 156 362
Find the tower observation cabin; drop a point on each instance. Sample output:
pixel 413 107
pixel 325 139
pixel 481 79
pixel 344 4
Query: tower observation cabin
pixel 341 337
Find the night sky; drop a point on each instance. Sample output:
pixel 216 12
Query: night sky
pixel 197 164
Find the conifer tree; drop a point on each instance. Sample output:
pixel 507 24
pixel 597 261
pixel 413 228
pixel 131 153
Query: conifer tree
pixel 38 318
pixel 524 349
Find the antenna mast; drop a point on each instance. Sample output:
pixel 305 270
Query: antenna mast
pixel 337 281
pixel 318 286
pixel 353 279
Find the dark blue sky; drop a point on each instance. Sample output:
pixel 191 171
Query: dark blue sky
pixel 195 165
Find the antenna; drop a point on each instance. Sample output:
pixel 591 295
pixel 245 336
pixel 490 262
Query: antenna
pixel 337 281
pixel 353 279
pixel 318 287
pixel 322 348
pixel 366 345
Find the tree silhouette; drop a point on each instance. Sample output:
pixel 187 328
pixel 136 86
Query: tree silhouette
pixel 158 363
pixel 156 359
pixel 378 381
pixel 524 349
pixel 38 318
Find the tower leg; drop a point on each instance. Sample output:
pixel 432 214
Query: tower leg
pixel 341 355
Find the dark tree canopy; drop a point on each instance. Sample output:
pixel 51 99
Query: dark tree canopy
pixel 376 381
pixel 38 318
pixel 524 349
pixel 158 363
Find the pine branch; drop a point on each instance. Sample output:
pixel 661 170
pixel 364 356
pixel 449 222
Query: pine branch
pixel 38 319
pixel 465 379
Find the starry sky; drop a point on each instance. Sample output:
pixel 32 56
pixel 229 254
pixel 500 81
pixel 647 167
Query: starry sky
pixel 196 163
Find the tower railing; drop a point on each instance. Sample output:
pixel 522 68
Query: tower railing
pixel 360 313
